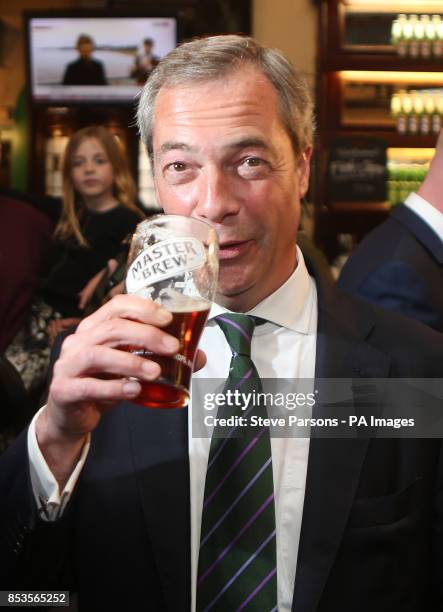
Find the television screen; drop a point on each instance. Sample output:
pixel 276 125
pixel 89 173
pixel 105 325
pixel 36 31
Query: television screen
pixel 95 59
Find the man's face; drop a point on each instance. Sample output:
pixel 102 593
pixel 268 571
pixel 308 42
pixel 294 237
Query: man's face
pixel 85 50
pixel 221 154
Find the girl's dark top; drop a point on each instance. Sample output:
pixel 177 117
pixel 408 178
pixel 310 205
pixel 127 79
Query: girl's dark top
pixel 70 266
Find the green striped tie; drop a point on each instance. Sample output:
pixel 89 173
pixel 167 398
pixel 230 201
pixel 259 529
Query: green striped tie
pixel 237 561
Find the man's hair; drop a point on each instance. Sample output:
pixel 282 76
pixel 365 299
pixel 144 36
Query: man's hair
pixel 215 57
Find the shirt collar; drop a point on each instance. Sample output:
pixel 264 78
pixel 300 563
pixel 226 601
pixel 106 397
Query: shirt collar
pixel 296 293
pixel 428 213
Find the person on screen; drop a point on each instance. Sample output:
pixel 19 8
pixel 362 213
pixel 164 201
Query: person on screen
pixel 145 62
pixel 130 509
pixel 85 70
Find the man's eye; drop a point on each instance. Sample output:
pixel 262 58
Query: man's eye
pixel 253 162
pixel 178 172
pixel 253 167
pixel 176 167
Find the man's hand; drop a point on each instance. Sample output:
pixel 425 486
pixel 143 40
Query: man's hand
pixel 92 375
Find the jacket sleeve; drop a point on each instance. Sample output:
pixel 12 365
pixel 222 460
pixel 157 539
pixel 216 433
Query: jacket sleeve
pixel 34 554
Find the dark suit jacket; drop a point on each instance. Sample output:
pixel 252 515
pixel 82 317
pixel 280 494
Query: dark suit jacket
pixel 399 266
pixel 85 72
pixel 372 531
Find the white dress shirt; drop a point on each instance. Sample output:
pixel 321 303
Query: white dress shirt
pixel 428 213
pixel 284 347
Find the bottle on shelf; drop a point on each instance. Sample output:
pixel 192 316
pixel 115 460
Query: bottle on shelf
pixel 438 114
pixel 398 114
pixel 403 178
pixel 414 113
pixel 408 34
pixel 400 42
pixel 396 32
pixel 407 109
pixel 428 36
pixel 437 43
pixel 417 36
pixel 428 112
pixel 417 112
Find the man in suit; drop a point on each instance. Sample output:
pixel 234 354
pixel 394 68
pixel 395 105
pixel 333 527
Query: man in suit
pixel 399 265
pixel 114 504
pixel 85 70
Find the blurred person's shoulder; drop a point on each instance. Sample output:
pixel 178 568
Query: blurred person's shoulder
pixel 415 348
pixel 47 205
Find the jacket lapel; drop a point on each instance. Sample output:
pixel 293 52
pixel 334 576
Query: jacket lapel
pixel 334 463
pixel 160 453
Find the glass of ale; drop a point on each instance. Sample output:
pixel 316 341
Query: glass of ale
pixel 173 260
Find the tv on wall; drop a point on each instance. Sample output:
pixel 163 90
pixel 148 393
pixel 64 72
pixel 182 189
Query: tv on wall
pixel 95 58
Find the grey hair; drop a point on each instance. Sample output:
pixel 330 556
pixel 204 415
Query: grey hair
pixel 215 57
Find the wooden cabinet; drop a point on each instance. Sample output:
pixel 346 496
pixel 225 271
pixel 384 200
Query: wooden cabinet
pixel 358 71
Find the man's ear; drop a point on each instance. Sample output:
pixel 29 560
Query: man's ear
pixel 304 169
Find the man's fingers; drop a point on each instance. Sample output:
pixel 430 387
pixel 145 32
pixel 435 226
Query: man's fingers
pixel 200 360
pixel 128 307
pixel 106 361
pixel 78 390
pixel 118 332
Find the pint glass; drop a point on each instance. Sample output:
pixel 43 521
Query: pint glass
pixel 173 260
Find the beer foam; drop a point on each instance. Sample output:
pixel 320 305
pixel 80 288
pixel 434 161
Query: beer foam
pixel 175 302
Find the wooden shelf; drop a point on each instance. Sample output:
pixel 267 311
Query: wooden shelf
pixel 358 218
pixel 359 208
pixel 381 61
pixel 393 138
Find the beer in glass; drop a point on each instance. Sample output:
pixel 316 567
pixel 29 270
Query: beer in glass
pixel 173 260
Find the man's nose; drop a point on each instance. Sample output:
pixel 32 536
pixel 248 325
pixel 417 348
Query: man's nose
pixel 217 198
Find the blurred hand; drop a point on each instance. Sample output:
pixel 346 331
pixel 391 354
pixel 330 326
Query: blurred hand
pixel 58 325
pixel 88 290
pixel 117 290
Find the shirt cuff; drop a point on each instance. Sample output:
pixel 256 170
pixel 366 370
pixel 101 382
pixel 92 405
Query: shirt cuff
pixel 50 501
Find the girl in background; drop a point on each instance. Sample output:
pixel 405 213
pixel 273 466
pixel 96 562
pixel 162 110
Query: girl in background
pixel 98 211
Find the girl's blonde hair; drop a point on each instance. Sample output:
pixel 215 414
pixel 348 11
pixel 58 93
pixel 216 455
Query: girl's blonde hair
pixel 124 186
